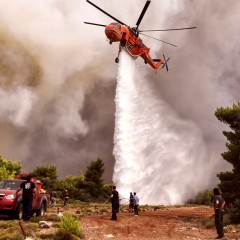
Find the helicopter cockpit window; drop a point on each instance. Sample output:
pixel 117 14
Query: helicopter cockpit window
pixel 117 26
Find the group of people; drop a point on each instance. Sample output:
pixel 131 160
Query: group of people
pixel 64 196
pixel 219 204
pixel 29 192
pixel 133 203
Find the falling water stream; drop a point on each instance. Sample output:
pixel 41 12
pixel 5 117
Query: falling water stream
pixel 156 154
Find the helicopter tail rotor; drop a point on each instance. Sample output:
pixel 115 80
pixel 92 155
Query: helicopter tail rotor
pixel 165 61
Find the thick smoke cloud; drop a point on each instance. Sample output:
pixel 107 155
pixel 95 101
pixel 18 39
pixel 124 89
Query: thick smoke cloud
pixel 56 92
pixel 58 76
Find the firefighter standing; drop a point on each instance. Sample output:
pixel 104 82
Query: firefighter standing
pixel 115 203
pixel 218 210
pixel 65 197
pixel 131 202
pixel 28 191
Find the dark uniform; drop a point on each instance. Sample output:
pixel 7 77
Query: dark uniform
pixel 131 202
pixel 115 203
pixel 218 208
pixel 65 197
pixel 28 189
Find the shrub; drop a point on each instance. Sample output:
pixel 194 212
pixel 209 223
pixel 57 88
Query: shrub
pixel 53 217
pixel 64 235
pixel 46 236
pixel 209 222
pixel 69 226
pixel 204 198
pixel 234 211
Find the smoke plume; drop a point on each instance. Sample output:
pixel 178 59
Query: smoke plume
pixel 58 77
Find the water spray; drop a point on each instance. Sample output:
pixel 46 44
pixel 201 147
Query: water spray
pixel 157 155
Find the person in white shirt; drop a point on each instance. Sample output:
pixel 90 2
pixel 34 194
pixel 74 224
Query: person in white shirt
pixel 136 204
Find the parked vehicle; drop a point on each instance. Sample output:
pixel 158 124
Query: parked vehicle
pixel 12 205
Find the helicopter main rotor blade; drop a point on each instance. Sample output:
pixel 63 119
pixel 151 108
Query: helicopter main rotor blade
pixel 96 24
pixel 159 40
pixel 143 12
pixel 106 13
pixel 172 29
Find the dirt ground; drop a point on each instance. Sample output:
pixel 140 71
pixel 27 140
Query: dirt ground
pixel 169 223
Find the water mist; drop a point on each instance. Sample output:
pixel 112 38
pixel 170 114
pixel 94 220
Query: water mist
pixel 157 155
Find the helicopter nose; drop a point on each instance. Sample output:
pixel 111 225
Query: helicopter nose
pixel 112 33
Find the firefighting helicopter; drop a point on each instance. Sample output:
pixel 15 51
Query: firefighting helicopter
pixel 130 40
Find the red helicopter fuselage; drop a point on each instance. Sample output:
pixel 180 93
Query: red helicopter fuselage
pixel 128 38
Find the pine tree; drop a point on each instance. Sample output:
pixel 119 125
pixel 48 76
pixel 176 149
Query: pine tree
pixel 48 175
pixel 93 177
pixel 230 181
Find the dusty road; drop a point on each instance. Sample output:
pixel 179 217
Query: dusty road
pixel 170 223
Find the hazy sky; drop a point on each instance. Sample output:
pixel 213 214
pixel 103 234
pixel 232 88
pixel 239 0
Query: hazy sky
pixel 58 77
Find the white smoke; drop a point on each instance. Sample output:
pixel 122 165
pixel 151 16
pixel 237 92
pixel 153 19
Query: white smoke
pixel 14 110
pixel 50 61
pixel 57 78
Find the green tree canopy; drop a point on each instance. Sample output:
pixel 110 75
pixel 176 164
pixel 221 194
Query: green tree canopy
pixel 230 181
pixel 76 187
pixel 9 168
pixel 48 175
pixel 93 177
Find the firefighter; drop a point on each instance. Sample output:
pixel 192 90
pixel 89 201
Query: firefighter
pixel 65 197
pixel 131 202
pixel 115 203
pixel 28 191
pixel 218 210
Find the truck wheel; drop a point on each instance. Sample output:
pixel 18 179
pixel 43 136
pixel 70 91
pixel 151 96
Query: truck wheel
pixel 41 211
pixel 19 212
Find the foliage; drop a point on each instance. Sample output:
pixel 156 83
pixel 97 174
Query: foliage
pixel 234 211
pixel 204 198
pixel 76 187
pixel 230 181
pixel 107 190
pixel 9 168
pixel 93 177
pixel 69 226
pixel 9 231
pixel 48 176
pixel 46 236
pixel 88 187
pixel 52 217
pixel 64 235
pixel 210 221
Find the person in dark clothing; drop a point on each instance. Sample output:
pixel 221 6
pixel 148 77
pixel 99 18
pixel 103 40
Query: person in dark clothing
pixel 53 198
pixel 218 210
pixel 115 203
pixel 28 191
pixel 65 197
pixel 131 202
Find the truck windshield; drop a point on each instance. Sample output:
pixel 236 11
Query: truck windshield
pixel 9 184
